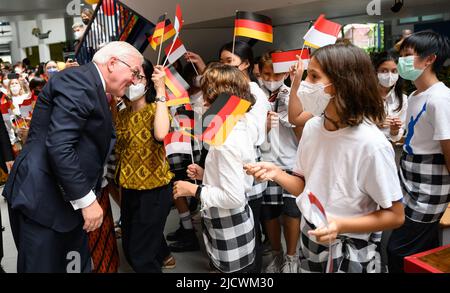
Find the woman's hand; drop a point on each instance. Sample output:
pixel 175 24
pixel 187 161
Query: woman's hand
pixel 195 172
pixel 395 125
pixel 325 235
pixel 197 60
pixel 184 189
pixel 262 171
pixel 158 80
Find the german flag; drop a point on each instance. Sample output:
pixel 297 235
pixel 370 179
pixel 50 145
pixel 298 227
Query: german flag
pixel 157 38
pixel 252 25
pixel 178 87
pixel 221 118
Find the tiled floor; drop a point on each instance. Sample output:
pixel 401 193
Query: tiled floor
pixel 192 262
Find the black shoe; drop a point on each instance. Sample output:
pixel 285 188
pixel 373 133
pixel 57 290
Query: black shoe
pixel 188 242
pixel 176 235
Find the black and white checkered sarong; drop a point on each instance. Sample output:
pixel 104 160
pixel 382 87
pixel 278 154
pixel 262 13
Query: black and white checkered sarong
pixel 258 188
pixel 229 237
pixel 426 181
pixel 350 255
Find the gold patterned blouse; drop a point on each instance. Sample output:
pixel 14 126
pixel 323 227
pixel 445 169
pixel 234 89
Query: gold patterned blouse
pixel 141 159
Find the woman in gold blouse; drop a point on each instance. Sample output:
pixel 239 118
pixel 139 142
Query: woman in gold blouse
pixel 143 173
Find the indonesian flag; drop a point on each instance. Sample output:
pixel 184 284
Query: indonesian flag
pixel 26 108
pixel 177 143
pixel 282 61
pixel 178 22
pixel 322 33
pixel 178 50
pixel 252 25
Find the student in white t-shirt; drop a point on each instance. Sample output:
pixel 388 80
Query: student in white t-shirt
pixel 390 86
pixel 425 162
pixel 345 161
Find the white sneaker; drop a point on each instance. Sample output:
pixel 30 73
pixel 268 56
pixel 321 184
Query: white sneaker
pixel 276 263
pixel 290 265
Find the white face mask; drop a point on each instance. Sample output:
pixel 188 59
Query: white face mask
pixel 78 35
pixel 15 90
pixel 273 85
pixel 387 79
pixel 260 82
pixel 313 97
pixel 134 92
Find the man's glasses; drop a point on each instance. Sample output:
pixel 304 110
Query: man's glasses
pixel 136 73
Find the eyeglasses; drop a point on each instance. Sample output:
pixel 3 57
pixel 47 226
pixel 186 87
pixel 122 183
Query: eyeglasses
pixel 135 72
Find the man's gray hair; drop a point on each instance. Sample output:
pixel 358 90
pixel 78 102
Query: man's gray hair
pixel 117 49
pixel 77 24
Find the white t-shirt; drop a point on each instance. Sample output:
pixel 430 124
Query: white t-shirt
pixel 257 116
pixel 428 120
pixel 351 171
pixel 390 105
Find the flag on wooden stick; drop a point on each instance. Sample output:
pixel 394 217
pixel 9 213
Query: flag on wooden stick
pixel 252 25
pixel 323 32
pixel 282 61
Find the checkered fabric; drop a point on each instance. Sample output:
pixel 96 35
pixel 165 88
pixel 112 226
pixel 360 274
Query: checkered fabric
pixel 426 181
pixel 274 193
pixel 229 237
pixel 350 255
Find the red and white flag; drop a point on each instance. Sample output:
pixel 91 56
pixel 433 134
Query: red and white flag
pixel 323 32
pixel 178 22
pixel 282 61
pixel 177 143
pixel 178 50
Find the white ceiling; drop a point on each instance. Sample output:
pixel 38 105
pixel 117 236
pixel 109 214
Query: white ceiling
pixel 219 13
pixel 20 7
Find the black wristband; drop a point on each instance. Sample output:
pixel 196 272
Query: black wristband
pixel 199 191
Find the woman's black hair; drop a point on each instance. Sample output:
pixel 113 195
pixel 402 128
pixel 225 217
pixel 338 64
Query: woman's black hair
pixel 380 58
pixel 244 51
pixel 35 82
pixel 150 94
pixel 427 43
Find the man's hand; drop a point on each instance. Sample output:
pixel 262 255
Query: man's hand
pixel 9 165
pixel 93 217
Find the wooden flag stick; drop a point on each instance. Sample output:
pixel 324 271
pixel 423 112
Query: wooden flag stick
pixel 162 38
pixel 234 36
pixel 170 50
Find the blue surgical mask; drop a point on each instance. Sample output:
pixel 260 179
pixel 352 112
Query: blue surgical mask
pixel 51 72
pixel 406 68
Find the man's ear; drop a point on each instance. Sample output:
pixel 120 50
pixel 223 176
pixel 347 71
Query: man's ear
pixel 110 64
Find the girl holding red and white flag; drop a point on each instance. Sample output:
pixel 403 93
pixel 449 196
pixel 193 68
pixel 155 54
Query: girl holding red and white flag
pixel 345 161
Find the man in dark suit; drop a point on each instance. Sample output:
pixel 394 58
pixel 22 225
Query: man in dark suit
pixel 6 160
pixel 51 190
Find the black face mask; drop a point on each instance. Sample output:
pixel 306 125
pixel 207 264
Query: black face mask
pixel 85 21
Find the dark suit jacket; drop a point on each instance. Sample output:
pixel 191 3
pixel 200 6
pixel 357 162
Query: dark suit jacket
pixel 5 156
pixel 68 143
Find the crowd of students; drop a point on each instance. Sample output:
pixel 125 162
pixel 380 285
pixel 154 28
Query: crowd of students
pixel 330 133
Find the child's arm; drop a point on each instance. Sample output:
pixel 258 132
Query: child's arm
pixel 384 219
pixel 264 171
pixel 445 145
pixel 296 114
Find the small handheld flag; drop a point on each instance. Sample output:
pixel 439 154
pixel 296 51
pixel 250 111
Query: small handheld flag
pixel 178 22
pixel 178 87
pixel 323 32
pixel 163 31
pixel 282 61
pixel 252 25
pixel 223 114
pixel 178 50
pixel 177 143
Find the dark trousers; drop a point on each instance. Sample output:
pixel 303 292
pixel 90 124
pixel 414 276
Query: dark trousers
pixel 1 238
pixel 411 238
pixel 255 205
pixel 43 250
pixel 143 216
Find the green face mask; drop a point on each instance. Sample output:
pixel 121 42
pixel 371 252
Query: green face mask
pixel 406 68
